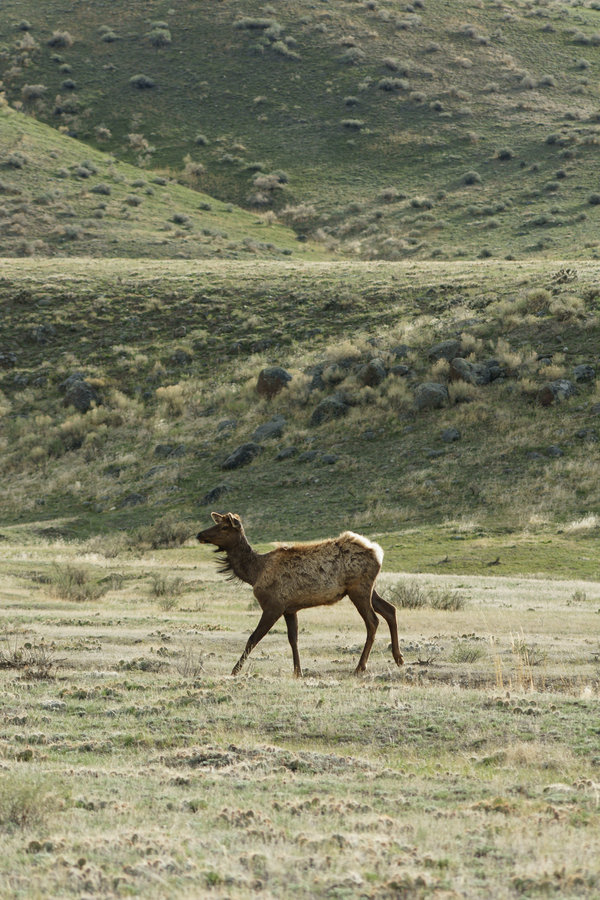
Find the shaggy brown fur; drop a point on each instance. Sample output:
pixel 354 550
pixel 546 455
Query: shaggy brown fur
pixel 297 576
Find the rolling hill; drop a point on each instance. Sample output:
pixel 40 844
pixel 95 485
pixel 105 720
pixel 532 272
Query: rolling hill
pixel 386 129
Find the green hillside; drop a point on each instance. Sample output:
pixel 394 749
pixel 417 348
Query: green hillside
pixel 389 130
pixel 170 353
pixel 59 197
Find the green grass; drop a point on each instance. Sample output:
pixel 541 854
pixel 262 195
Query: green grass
pixel 502 77
pixel 141 767
pixel 69 199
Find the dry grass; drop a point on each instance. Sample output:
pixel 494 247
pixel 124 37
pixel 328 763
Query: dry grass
pixel 404 777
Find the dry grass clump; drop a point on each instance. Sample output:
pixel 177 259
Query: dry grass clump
pixel 75 584
pixel 166 532
pixel 414 595
pixel 26 801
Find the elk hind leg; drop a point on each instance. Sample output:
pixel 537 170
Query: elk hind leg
pixel 291 620
pixel 267 620
pixel 388 611
pixel 361 597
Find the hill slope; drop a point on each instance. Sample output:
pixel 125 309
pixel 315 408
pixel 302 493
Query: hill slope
pixel 172 351
pixel 60 197
pixel 431 129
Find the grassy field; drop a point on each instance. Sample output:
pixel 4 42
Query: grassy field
pixel 133 764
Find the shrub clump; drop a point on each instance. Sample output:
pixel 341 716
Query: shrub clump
pixel 142 82
pixel 60 39
pixel 159 37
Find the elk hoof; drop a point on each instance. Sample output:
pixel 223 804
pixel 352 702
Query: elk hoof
pixel 400 660
pixel 297 673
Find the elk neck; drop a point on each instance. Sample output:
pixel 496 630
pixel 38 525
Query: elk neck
pixel 243 562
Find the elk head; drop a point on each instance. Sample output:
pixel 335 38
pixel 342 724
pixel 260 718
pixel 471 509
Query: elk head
pixel 225 533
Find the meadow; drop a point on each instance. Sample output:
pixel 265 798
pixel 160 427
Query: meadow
pixel 133 764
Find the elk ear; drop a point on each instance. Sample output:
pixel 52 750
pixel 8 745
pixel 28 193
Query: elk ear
pixel 235 521
pixel 217 517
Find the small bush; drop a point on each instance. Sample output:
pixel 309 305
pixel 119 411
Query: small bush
pixel 408 595
pixel 142 82
pixel 166 532
pixel 353 124
pixel 159 37
pixel 60 39
pixel 33 91
pixel 465 652
pixel 504 154
pixel 470 178
pixel 447 600
pixel 75 584
pixel 353 56
pixel 166 586
pixel 25 801
pixel 393 84
pixel 594 199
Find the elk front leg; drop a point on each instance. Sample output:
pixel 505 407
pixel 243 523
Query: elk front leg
pixel 267 620
pixel 291 620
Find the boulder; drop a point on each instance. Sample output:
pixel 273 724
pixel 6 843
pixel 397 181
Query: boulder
pixel 373 373
pixel 8 359
pixel 430 395
pixel 272 429
pixel 446 350
pixel 242 455
pixel 333 407
pixel 584 373
pixel 214 494
pixel 556 392
pixel 400 371
pixel 79 393
pixel 272 380
pixel 286 453
pixel 449 435
pixel 475 372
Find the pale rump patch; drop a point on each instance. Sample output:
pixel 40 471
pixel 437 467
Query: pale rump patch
pixel 365 542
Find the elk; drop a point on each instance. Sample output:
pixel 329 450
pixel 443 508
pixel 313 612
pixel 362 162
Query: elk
pixel 299 576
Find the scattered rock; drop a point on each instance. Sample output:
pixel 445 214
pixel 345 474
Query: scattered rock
pixel 272 429
pixel 475 372
pixel 554 451
pixel 226 425
pixel 584 373
pixel 333 407
pixel 433 454
pixel 373 373
pixel 79 393
pixel 133 500
pixel 431 395
pixel 272 380
pixel 328 459
pixel 587 434
pixel 242 456
pixel 286 453
pixel 401 351
pixel 181 357
pixel 556 392
pixel 308 456
pixel 215 494
pixel 170 450
pixel 446 350
pixel 8 359
pixel 400 371
pixel 450 434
